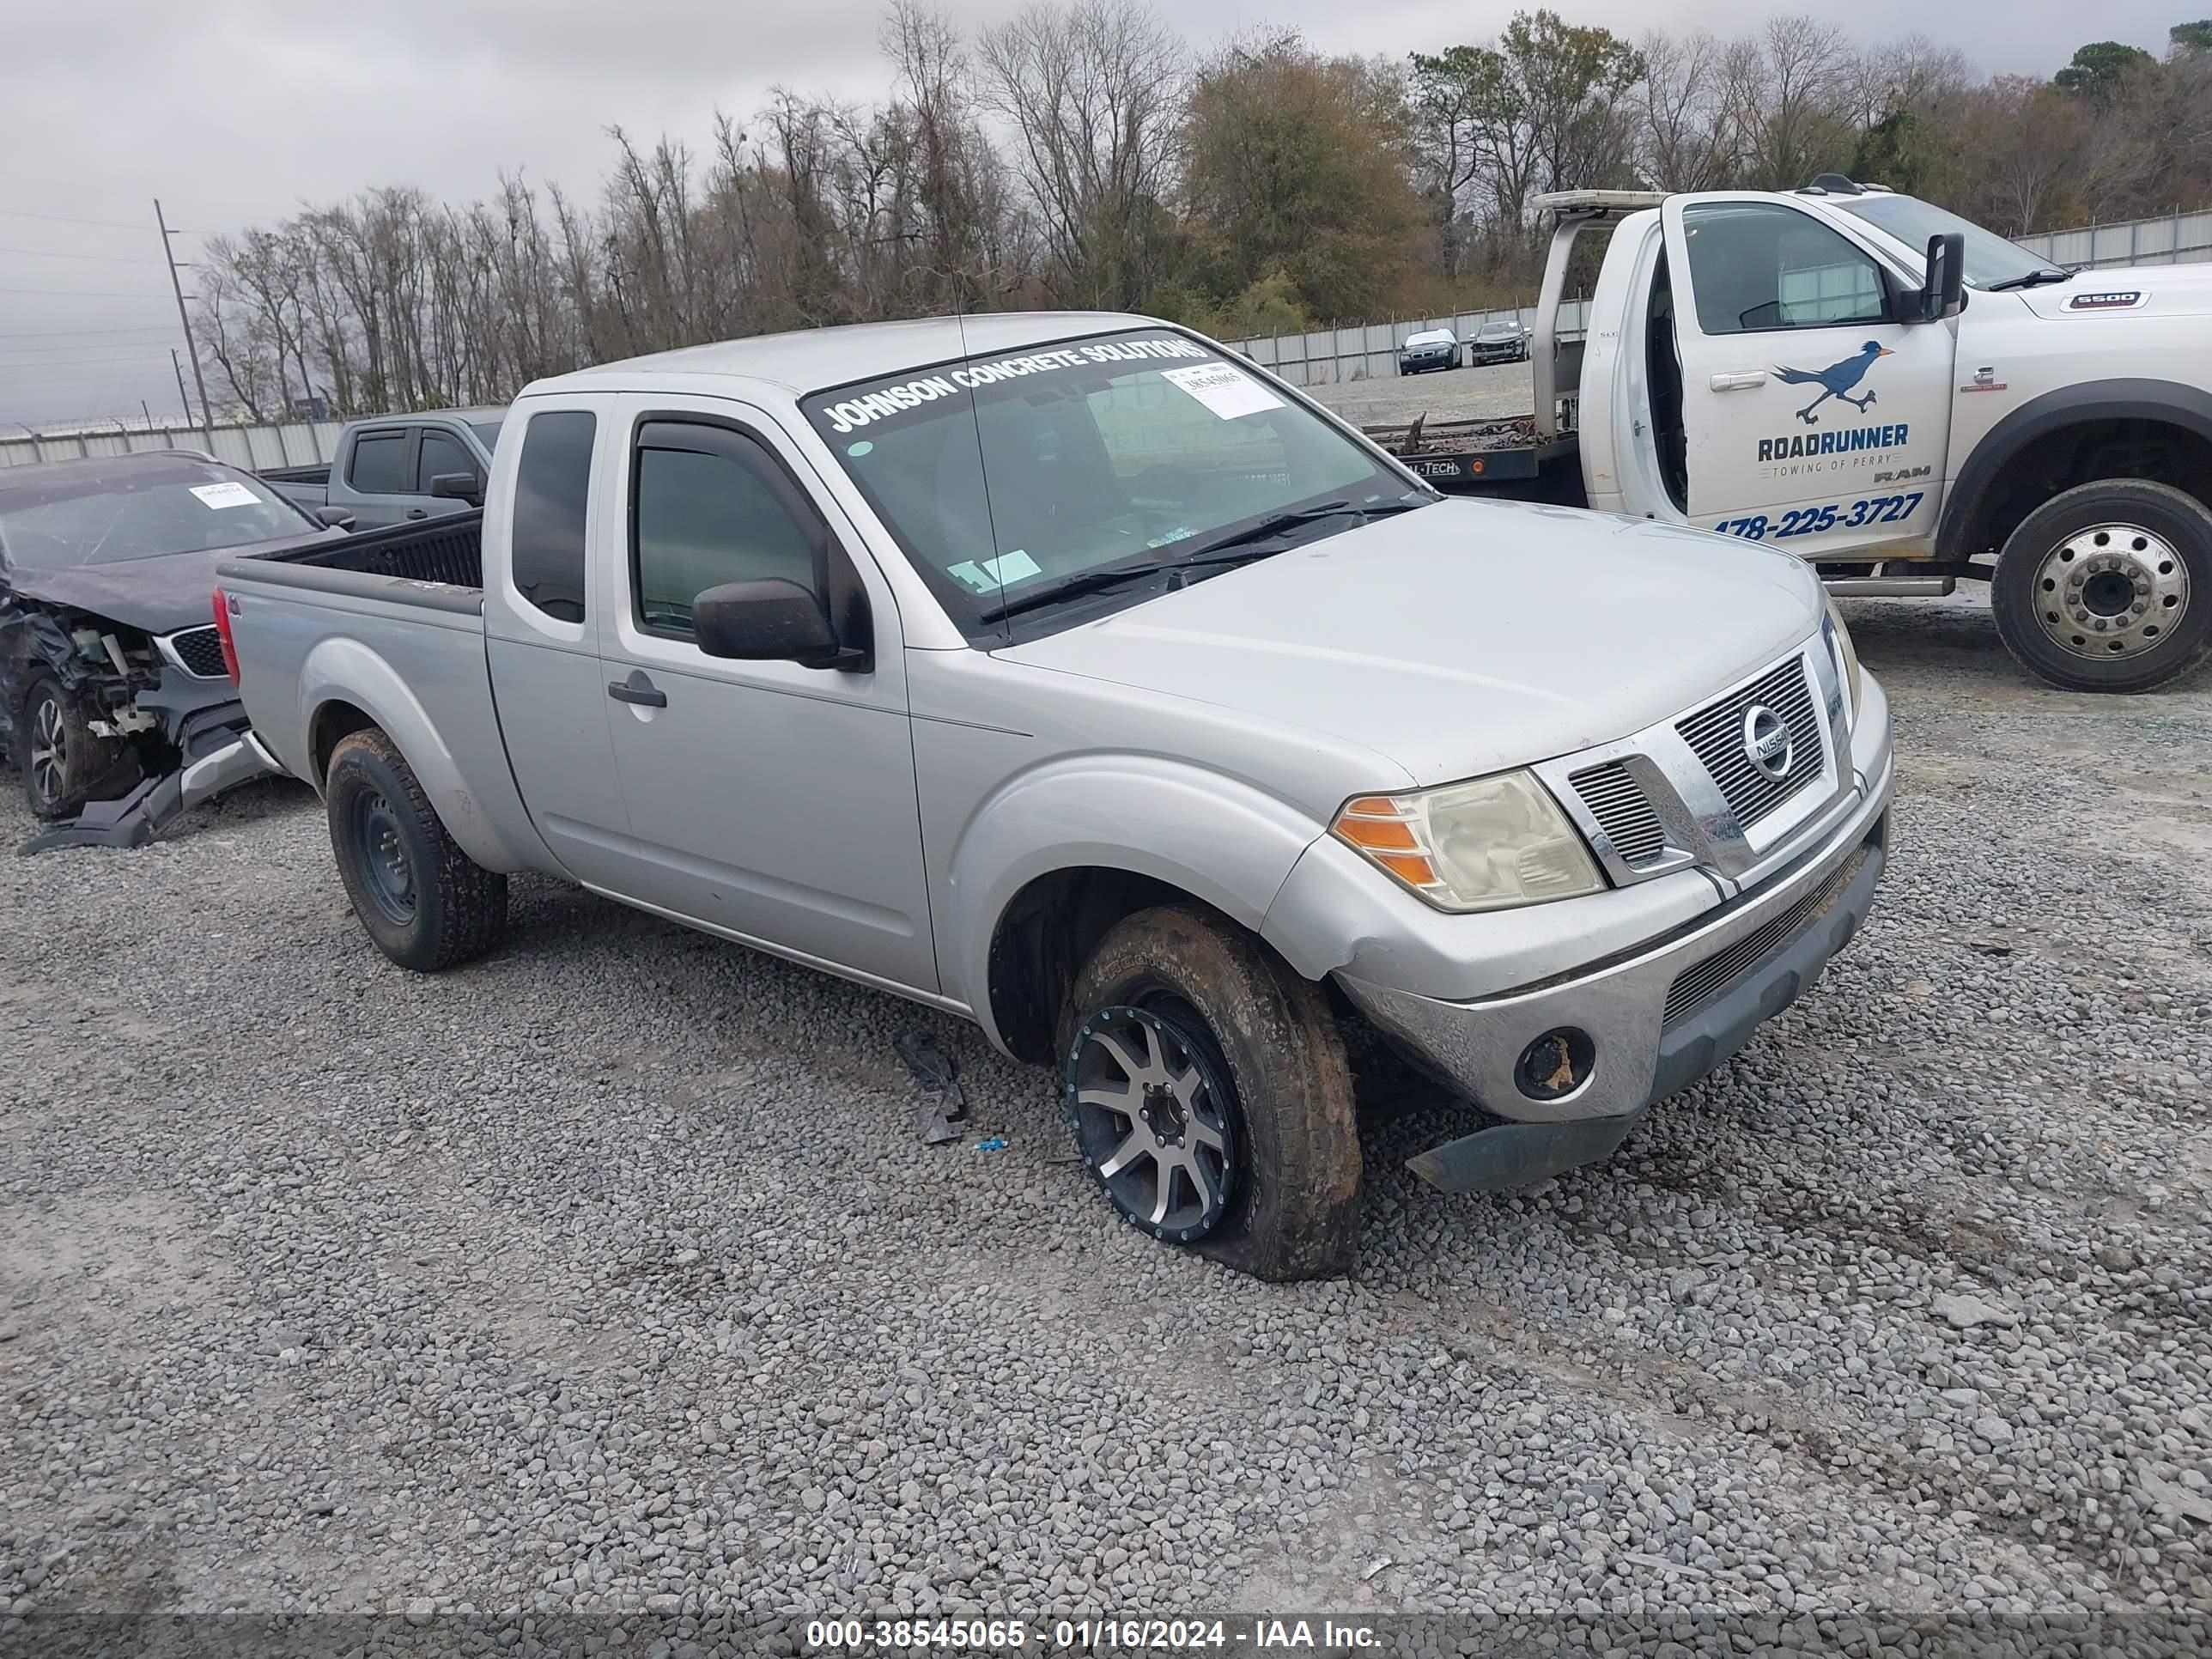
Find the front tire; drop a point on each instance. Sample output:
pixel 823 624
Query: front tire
pixel 1210 1096
pixel 2108 587
pixel 428 905
pixel 65 762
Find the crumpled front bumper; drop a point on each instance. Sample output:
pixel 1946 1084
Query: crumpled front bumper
pixel 1663 1016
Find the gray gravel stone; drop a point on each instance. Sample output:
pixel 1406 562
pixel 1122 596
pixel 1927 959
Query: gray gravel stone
pixel 606 1274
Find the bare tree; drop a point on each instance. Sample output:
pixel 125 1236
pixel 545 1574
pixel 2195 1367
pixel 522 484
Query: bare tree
pixel 1093 92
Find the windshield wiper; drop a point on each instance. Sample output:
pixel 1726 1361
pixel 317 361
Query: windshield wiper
pixel 2033 279
pixel 1238 544
pixel 1235 547
pixel 1067 587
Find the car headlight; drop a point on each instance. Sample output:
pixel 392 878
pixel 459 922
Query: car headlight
pixel 1841 648
pixel 1483 844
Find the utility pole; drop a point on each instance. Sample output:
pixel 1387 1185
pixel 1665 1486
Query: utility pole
pixel 181 398
pixel 207 414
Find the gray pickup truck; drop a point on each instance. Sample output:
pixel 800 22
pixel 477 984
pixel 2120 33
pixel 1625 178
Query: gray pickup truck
pixel 398 469
pixel 1065 673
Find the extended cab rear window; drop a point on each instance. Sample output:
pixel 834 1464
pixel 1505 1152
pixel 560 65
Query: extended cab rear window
pixel 552 496
pixel 1002 475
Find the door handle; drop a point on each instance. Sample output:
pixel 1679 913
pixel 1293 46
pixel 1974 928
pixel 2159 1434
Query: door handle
pixel 1739 382
pixel 638 689
pixel 418 513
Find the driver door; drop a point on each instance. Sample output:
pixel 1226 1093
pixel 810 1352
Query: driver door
pixel 1816 416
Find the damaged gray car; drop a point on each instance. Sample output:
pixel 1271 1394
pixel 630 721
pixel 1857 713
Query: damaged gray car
pixel 116 696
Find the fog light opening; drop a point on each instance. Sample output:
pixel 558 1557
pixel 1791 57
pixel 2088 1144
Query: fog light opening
pixel 1555 1065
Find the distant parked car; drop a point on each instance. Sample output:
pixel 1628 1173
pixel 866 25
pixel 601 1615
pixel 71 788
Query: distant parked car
pixel 111 668
pixel 1432 348
pixel 1505 342
pixel 394 468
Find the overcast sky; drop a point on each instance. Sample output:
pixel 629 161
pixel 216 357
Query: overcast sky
pixel 235 112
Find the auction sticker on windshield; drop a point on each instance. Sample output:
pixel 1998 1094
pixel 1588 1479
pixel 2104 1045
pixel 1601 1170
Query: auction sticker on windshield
pixel 227 493
pixel 1222 389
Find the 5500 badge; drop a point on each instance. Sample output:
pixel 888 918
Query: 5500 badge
pixel 1812 520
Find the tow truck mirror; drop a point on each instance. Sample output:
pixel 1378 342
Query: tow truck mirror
pixel 458 487
pixel 769 619
pixel 1946 277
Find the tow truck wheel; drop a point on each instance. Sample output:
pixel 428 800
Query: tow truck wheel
pixel 1210 1096
pixel 65 760
pixel 428 904
pixel 2108 587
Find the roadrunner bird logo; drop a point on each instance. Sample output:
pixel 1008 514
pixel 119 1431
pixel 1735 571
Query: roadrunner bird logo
pixel 1835 380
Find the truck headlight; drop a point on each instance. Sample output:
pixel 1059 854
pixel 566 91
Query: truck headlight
pixel 1484 845
pixel 1841 648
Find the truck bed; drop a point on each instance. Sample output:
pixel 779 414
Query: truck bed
pixel 439 563
pixel 1470 455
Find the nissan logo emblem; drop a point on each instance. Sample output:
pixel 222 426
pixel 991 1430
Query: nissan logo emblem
pixel 1767 743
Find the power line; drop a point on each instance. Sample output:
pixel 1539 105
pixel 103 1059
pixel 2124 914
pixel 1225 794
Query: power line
pixel 102 258
pixel 61 333
pixel 84 293
pixel 65 219
pixel 33 356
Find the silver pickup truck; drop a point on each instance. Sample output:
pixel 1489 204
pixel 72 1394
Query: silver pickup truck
pixel 1067 674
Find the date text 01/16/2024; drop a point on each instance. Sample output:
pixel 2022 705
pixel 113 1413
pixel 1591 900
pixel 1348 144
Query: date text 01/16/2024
pixel 1811 520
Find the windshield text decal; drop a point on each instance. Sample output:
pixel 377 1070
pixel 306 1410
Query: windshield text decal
pixel 851 414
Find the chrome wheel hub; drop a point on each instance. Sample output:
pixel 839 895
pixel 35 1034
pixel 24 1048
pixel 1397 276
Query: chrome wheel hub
pixel 2114 590
pixel 49 749
pixel 1152 1118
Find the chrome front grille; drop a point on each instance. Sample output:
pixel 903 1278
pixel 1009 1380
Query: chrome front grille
pixel 198 650
pixel 1624 812
pixel 1715 736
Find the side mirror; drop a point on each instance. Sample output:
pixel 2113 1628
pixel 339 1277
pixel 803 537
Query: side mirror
pixel 336 517
pixel 770 620
pixel 458 487
pixel 1946 287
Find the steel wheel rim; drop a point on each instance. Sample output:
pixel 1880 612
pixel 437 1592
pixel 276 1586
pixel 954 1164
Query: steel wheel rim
pixel 383 857
pixel 49 749
pixel 2111 592
pixel 1154 1117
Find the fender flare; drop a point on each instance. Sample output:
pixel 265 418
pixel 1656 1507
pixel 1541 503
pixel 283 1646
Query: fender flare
pixel 1966 504
pixel 339 669
pixel 1223 842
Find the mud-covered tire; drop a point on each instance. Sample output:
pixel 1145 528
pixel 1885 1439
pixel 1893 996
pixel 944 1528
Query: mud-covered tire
pixel 1270 1037
pixel 2155 544
pixel 428 905
pixel 64 762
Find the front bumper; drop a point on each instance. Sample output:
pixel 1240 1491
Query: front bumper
pixel 1661 1017
pixel 1438 358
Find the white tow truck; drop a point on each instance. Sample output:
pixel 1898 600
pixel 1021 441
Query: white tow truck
pixel 1899 396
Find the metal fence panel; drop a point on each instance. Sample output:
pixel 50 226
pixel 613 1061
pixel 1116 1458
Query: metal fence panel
pixel 296 443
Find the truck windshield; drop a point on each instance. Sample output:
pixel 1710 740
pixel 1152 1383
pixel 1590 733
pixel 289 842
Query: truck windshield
pixel 141 510
pixel 1012 481
pixel 1990 259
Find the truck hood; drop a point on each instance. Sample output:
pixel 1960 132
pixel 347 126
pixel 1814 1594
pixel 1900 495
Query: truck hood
pixel 1463 638
pixel 156 596
pixel 2157 291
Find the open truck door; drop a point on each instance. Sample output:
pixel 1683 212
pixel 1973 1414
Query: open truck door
pixel 1816 380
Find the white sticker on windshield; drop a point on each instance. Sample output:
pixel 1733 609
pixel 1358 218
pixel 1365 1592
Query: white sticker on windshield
pixel 228 493
pixel 989 574
pixel 1225 390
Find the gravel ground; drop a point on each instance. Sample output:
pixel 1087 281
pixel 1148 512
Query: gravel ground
pixel 607 1273
pixel 1452 394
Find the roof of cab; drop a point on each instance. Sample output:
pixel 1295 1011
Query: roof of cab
pixel 808 360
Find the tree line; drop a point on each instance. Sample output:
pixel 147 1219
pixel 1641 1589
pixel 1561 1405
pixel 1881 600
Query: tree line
pixel 1083 155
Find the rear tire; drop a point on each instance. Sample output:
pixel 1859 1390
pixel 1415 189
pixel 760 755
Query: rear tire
pixel 2108 587
pixel 428 905
pixel 65 762
pixel 1250 1087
